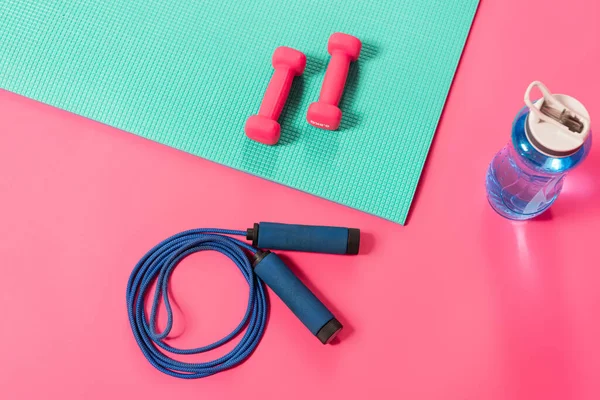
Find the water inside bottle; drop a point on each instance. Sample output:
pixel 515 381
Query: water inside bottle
pixel 517 192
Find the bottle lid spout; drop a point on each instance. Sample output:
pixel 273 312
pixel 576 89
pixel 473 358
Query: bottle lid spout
pixel 558 125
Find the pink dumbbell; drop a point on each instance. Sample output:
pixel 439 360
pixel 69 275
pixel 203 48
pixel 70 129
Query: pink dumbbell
pixel 325 113
pixel 264 127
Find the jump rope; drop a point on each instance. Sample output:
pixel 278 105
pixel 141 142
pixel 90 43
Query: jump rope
pixel 258 265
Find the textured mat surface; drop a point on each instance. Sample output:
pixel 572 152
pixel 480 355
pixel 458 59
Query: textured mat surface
pixel 188 73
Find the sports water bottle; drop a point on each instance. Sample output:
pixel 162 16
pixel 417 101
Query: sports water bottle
pixel 550 137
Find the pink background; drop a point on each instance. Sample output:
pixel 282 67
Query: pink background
pixel 458 304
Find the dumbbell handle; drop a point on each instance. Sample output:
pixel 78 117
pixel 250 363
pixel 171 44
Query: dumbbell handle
pixel 277 93
pixel 335 78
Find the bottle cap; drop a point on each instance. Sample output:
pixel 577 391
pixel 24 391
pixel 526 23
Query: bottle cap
pixel 557 124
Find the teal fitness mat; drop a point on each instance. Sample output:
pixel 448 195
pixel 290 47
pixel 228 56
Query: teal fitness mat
pixel 187 73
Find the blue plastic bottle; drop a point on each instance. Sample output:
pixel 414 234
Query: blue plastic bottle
pixel 549 138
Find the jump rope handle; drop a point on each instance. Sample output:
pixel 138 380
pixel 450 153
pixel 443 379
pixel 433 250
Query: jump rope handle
pixel 317 239
pixel 307 307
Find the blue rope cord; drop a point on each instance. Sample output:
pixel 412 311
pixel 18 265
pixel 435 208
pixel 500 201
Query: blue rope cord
pixel 158 264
